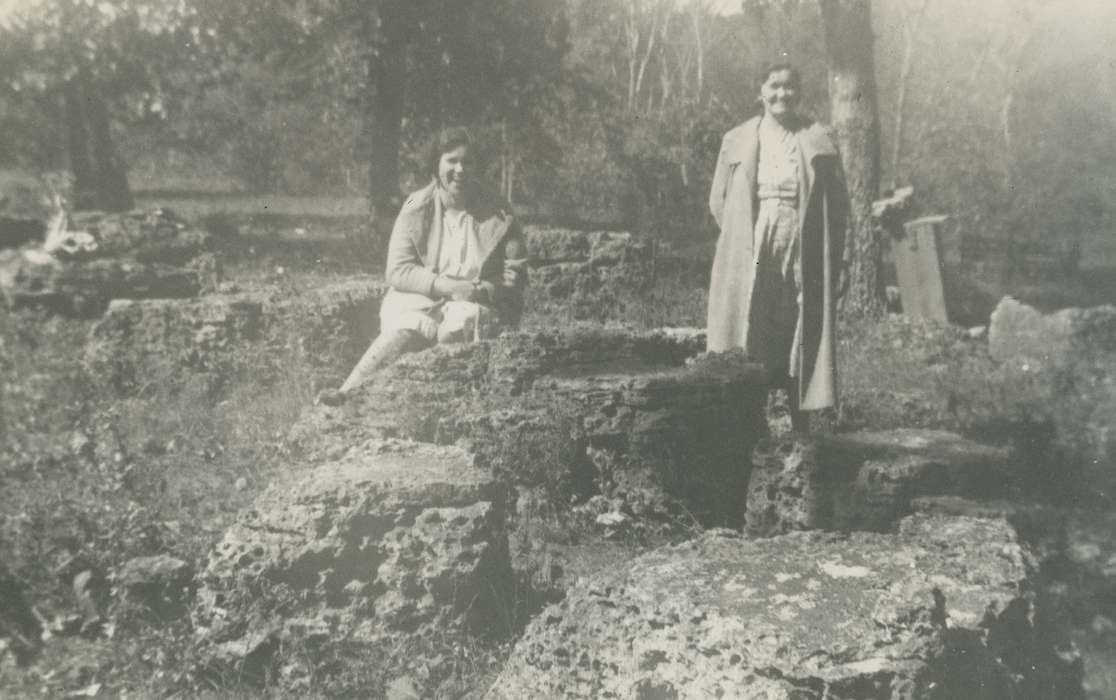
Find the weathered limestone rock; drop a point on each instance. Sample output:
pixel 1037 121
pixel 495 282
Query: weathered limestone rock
pixel 1077 571
pixel 156 341
pixel 865 480
pixel 150 236
pixel 640 420
pixel 161 582
pixel 84 288
pixel 589 274
pixel 145 341
pixel 138 255
pixel 426 395
pixel 1022 332
pixel 390 538
pixel 683 432
pixel 938 610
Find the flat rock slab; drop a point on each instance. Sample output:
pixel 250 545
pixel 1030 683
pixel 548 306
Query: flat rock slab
pixel 938 610
pixel 391 537
pixel 866 480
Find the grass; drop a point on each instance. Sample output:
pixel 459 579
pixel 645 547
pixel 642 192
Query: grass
pixel 91 482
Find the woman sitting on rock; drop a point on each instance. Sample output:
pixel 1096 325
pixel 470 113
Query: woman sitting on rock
pixel 456 263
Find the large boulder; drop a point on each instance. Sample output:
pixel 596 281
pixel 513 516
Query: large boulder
pixel 1061 366
pixel 624 414
pixel 938 610
pixel 392 538
pixel 215 336
pixel 865 480
pixel 1018 331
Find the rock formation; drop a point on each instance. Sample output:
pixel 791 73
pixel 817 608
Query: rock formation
pixel 866 480
pixel 938 610
pixel 645 423
pixel 392 538
pixel 140 341
pixel 137 255
pixel 1020 332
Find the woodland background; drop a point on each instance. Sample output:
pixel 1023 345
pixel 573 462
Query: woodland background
pixel 606 112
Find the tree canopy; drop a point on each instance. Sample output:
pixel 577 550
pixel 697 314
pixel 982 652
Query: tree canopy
pixel 591 110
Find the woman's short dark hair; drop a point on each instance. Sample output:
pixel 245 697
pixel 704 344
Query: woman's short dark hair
pixel 795 75
pixel 443 141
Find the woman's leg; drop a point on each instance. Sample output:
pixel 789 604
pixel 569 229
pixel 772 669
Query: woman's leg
pixel 383 351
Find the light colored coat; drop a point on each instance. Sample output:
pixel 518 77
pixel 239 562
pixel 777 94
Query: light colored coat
pixel 416 241
pixel 822 212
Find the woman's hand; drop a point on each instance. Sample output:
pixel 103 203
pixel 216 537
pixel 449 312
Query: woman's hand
pixel 457 290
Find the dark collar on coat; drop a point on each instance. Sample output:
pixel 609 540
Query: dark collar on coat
pixel 421 217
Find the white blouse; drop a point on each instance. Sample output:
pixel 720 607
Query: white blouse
pixel 777 172
pixel 458 255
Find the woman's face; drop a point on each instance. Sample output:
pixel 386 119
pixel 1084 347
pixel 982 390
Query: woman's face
pixel 779 94
pixel 455 170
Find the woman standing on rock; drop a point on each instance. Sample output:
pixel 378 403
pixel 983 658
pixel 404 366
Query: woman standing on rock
pixel 456 263
pixel 779 198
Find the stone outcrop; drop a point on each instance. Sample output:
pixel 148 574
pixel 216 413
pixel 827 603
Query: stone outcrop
pixel 866 480
pixel 33 278
pixel 938 610
pixel 161 583
pixel 594 275
pixel 1066 364
pixel 391 538
pixel 142 341
pixel 1076 560
pixel 639 422
pixel 1018 331
pixel 138 255
pixel 146 236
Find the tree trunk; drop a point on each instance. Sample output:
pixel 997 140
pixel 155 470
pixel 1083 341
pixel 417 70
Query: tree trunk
pixel 696 11
pixel 384 115
pixel 77 147
pixel 911 19
pixel 855 118
pixel 100 179
pixel 113 193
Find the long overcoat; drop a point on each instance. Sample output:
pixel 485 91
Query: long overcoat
pixel 822 212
